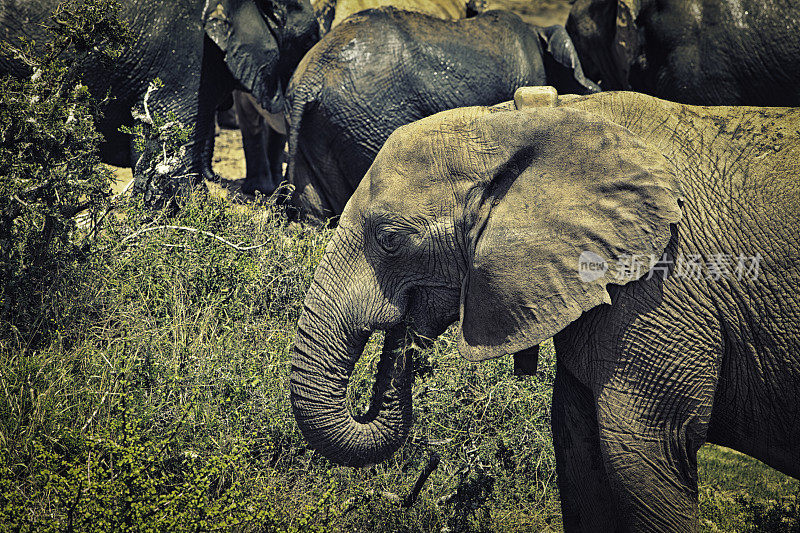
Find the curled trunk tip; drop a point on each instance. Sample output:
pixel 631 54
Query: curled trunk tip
pixel 318 386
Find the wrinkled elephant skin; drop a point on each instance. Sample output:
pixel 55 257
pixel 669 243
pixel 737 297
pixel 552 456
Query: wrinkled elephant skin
pixel 704 52
pixel 655 242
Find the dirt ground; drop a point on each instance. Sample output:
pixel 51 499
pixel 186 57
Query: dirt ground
pixel 228 155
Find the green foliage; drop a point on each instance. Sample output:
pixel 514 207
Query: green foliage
pixel 158 399
pixel 128 480
pixel 153 408
pixel 739 493
pixel 162 173
pixel 171 360
pixel 52 185
pixel 89 27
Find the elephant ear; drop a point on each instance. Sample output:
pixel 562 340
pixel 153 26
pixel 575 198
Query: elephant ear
pixel 249 34
pixel 569 203
pixel 627 45
pixel 608 39
pixel 561 64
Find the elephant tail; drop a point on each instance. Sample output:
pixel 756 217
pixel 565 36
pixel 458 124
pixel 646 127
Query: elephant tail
pixel 295 106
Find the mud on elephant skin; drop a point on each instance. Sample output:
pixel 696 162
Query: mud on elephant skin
pixel 480 216
pixel 199 49
pixel 717 52
pixel 383 68
pixel 331 13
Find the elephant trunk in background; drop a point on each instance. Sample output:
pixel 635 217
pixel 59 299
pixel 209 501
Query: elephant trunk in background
pixel 321 369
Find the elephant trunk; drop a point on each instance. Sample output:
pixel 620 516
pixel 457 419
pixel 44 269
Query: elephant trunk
pixel 318 385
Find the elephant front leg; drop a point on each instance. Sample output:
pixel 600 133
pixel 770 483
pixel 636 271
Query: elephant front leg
pixel 649 443
pixel 258 176
pixel 653 480
pixel 275 153
pixel 582 481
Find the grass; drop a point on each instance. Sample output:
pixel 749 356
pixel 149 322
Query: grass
pixel 156 399
pixel 739 493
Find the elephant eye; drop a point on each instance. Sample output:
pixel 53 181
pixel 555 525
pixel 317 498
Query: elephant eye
pixel 388 240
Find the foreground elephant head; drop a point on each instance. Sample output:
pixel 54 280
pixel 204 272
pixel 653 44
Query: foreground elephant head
pixel 572 221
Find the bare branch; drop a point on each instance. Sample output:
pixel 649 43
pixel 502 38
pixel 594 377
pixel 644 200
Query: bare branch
pixel 194 230
pixel 432 464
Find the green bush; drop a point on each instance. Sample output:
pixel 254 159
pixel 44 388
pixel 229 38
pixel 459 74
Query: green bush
pixel 195 336
pixel 175 352
pixel 153 408
pixel 53 188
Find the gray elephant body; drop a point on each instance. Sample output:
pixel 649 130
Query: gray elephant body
pixel 263 144
pixel 384 68
pixel 199 49
pixel 482 215
pixel 718 52
pixel 331 13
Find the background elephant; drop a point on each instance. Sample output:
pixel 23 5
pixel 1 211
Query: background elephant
pixel 263 142
pixel 332 12
pixel 384 68
pixel 705 52
pixel 263 137
pixel 200 51
pixel 655 242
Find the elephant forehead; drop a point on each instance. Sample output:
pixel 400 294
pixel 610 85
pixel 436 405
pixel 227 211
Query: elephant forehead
pixel 426 166
pixel 440 148
pixel 423 166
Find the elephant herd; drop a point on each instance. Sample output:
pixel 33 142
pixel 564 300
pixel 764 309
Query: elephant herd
pixel 627 184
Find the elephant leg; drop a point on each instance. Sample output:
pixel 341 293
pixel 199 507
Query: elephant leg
pixel 652 420
pixel 582 481
pixel 258 175
pixel 653 477
pixel 276 144
pixel 255 142
pixel 207 156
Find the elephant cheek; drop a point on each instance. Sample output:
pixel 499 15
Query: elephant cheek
pixel 432 311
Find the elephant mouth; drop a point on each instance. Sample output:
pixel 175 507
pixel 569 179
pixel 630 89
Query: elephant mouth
pixel 394 372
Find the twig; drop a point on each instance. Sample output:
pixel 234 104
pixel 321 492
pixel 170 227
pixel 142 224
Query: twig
pixel 433 463
pixel 195 230
pixel 351 503
pixel 145 117
pixel 97 410
pixel 391 497
pixel 71 512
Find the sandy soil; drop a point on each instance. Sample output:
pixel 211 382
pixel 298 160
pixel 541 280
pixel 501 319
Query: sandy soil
pixel 228 155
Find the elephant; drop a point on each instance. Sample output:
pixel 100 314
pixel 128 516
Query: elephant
pixel 331 13
pixel 383 68
pixel 263 142
pixel 655 242
pixel 264 135
pixel 702 52
pixel 200 50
